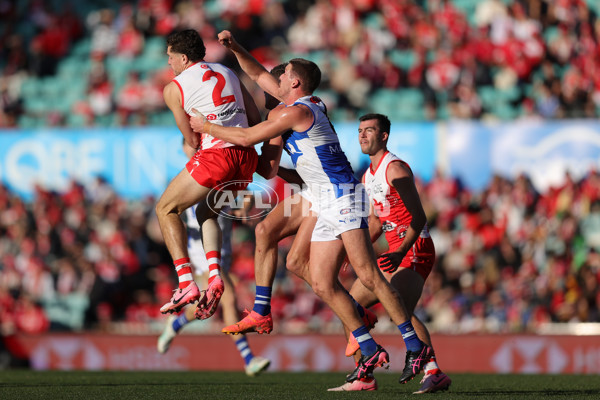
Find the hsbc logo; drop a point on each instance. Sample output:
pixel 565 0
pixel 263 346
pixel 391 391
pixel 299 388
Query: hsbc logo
pixel 531 356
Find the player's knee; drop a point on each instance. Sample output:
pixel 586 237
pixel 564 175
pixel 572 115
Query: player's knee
pixel 163 208
pixel 368 280
pixel 296 264
pixel 263 232
pixel 325 292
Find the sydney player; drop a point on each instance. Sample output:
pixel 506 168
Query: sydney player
pixel 399 214
pixel 217 92
pixel 253 365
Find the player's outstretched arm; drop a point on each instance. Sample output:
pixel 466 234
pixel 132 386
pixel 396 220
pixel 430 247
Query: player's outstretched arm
pixel 252 112
pixel 279 122
pixel 250 65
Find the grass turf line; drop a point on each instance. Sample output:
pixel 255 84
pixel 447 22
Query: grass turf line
pixel 25 384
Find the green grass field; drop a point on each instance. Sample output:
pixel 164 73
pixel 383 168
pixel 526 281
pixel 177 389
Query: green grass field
pixel 23 384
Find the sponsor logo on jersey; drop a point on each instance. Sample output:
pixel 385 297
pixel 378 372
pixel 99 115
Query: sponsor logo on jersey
pixel 211 117
pixel 388 226
pixel 231 112
pixel 345 211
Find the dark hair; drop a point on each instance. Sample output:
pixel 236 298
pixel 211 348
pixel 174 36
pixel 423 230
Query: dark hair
pixel 278 70
pixel 308 72
pixel 187 42
pixel 270 101
pixel 382 121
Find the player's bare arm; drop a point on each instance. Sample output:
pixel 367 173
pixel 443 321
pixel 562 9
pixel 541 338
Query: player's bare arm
pixel 374 225
pixel 172 97
pixel 270 155
pixel 400 177
pixel 252 112
pixel 297 118
pixel 250 65
pixel 290 176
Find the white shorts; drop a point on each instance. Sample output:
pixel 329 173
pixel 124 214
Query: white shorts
pixel 305 193
pixel 340 215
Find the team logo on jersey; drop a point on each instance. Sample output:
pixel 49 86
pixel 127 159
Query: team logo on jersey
pixel 388 226
pixel 203 66
pixel 345 211
pixel 315 99
pixel 211 117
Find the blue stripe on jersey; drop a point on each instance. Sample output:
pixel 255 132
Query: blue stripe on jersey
pixel 336 166
pixel 291 147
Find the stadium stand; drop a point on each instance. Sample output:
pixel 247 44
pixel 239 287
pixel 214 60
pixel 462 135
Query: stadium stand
pixel 509 258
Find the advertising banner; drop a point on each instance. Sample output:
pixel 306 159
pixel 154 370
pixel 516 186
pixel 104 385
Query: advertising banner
pixel 520 354
pixel 138 162
pixel 543 150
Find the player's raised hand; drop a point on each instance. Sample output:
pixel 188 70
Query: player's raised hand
pixel 198 122
pixel 226 39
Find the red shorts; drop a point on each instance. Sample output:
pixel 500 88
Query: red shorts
pixel 420 257
pixel 215 167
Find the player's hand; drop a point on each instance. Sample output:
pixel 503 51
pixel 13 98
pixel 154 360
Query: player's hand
pixel 389 262
pixel 198 121
pixel 226 39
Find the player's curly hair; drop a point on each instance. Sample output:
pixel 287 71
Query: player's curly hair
pixel 187 42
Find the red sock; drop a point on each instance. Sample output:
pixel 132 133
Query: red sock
pixel 431 367
pixel 214 264
pixel 184 272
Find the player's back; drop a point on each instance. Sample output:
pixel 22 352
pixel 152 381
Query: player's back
pixel 317 154
pixel 215 91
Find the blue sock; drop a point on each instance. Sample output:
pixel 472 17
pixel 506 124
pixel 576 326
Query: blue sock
pixel 361 310
pixel 262 301
pixel 365 341
pixel 244 349
pixel 180 322
pixel 412 341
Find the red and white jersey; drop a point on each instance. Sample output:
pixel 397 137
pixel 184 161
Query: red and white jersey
pixel 388 205
pixel 215 91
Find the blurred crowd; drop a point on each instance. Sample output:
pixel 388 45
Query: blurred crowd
pixel 509 259
pixel 451 58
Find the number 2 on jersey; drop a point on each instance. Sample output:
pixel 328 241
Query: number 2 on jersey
pixel 218 99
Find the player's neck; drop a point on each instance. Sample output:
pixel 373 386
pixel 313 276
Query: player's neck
pixel 376 157
pixel 293 96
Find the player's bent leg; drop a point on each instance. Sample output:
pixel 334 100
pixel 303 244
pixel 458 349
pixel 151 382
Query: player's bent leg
pixel 283 221
pixel 365 298
pixel 182 193
pixel 297 260
pixel 369 274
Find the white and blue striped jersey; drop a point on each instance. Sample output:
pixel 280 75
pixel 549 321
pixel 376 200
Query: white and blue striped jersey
pixel 318 156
